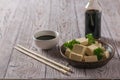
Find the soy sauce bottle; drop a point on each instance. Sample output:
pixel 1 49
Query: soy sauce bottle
pixel 93 19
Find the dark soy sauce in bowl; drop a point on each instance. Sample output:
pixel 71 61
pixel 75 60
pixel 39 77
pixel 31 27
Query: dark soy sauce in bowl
pixel 45 37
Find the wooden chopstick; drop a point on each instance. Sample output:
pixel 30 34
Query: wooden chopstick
pixel 43 61
pixel 49 60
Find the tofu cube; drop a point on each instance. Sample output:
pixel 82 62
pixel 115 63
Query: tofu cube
pixel 83 41
pixel 79 49
pixel 76 57
pixel 67 53
pixel 90 58
pixel 98 44
pixel 106 54
pixel 103 48
pixel 90 50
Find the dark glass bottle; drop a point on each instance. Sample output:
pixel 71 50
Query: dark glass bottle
pixel 93 19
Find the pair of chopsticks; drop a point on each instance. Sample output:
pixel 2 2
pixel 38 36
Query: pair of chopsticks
pixel 45 60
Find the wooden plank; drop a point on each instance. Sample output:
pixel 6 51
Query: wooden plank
pixel 112 16
pixel 19 19
pixel 35 16
pixel 109 71
pixel 8 33
pixel 63 20
pixel 80 15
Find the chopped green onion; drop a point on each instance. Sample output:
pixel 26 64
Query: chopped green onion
pixel 70 44
pixel 99 53
pixel 91 39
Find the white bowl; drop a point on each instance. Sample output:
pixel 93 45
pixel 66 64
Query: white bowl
pixel 46 44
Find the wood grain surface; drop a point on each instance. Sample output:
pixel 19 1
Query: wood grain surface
pixel 20 19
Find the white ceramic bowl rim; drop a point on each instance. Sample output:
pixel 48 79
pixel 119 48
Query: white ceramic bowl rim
pixel 45 32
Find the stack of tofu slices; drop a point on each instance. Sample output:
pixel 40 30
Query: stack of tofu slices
pixel 84 52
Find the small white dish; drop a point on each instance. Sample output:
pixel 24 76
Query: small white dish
pixel 46 44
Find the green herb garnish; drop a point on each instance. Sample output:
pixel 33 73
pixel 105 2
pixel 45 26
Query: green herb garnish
pixel 91 39
pixel 70 44
pixel 99 53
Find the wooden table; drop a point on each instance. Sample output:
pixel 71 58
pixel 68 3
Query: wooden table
pixel 20 19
